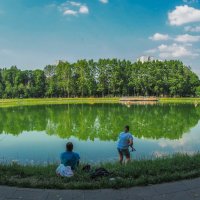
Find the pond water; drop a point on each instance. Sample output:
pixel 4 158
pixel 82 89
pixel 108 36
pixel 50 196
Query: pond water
pixel 38 134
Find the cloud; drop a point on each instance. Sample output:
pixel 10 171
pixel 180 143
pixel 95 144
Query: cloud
pixel 104 1
pixel 159 37
pixel 190 1
pixel 183 15
pixel 83 9
pixel 174 51
pixel 192 29
pixel 73 3
pixel 187 38
pixel 73 8
pixel 69 12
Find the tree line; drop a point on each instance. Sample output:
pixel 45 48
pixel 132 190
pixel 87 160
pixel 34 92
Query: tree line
pixel 105 77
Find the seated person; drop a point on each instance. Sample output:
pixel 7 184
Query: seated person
pixel 70 158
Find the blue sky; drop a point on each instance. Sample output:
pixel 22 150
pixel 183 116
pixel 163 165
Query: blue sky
pixel 34 33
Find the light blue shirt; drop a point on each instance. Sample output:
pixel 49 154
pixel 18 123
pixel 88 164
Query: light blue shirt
pixel 123 141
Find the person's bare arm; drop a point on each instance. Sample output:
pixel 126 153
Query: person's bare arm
pixel 131 144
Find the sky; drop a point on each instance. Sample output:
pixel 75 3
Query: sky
pixel 34 33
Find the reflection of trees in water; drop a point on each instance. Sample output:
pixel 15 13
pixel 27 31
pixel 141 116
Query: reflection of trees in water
pixel 102 121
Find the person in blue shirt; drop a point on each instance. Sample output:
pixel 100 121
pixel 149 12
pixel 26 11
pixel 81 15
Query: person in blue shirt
pixel 124 142
pixel 70 158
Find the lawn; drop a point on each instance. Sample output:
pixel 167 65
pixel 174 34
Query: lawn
pixel 55 101
pixel 180 100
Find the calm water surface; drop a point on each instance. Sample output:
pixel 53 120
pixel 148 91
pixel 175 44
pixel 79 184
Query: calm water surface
pixel 37 134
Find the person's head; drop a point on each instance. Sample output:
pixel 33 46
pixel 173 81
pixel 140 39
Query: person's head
pixel 69 146
pixel 126 129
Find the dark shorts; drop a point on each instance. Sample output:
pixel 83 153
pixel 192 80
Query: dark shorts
pixel 124 152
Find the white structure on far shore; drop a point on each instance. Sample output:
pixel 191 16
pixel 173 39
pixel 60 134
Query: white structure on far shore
pixel 143 59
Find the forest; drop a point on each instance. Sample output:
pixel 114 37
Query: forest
pixel 102 78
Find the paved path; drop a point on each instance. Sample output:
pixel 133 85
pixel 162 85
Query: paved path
pixel 183 190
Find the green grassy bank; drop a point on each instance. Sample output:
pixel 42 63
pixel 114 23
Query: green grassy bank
pixel 55 101
pixel 51 101
pixel 180 100
pixel 136 173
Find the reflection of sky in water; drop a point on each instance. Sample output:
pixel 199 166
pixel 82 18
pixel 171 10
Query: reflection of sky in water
pixel 38 147
pixel 189 143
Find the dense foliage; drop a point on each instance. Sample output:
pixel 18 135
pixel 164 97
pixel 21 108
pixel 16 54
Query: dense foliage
pixel 106 77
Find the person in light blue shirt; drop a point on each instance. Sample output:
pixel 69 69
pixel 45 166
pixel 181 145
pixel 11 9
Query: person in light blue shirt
pixel 70 158
pixel 124 142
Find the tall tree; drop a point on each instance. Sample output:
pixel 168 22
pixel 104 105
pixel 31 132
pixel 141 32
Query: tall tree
pixel 51 80
pixel 64 77
pixel 39 83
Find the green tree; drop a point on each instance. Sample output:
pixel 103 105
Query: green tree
pixel 39 83
pixel 82 71
pixel 51 80
pixel 198 91
pixel 64 78
pixel 103 76
pixel 1 85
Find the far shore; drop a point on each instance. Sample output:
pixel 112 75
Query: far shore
pixel 92 100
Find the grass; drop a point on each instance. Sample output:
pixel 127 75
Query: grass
pixel 55 101
pixel 51 101
pixel 180 100
pixel 136 173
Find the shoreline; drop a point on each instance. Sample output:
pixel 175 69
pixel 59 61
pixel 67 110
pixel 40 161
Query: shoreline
pixel 65 101
pixel 137 173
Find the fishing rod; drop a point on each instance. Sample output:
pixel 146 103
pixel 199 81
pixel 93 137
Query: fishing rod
pixel 132 149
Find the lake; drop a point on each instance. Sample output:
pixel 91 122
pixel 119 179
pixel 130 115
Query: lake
pixel 38 134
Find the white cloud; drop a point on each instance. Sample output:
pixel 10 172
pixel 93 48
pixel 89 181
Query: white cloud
pixel 192 29
pixel 187 38
pixel 159 37
pixel 73 3
pixel 69 12
pixel 174 51
pixel 104 1
pixel 183 15
pixel 73 8
pixel 83 9
pixel 190 1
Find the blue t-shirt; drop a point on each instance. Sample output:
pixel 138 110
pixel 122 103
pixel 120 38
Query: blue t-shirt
pixel 69 159
pixel 123 141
